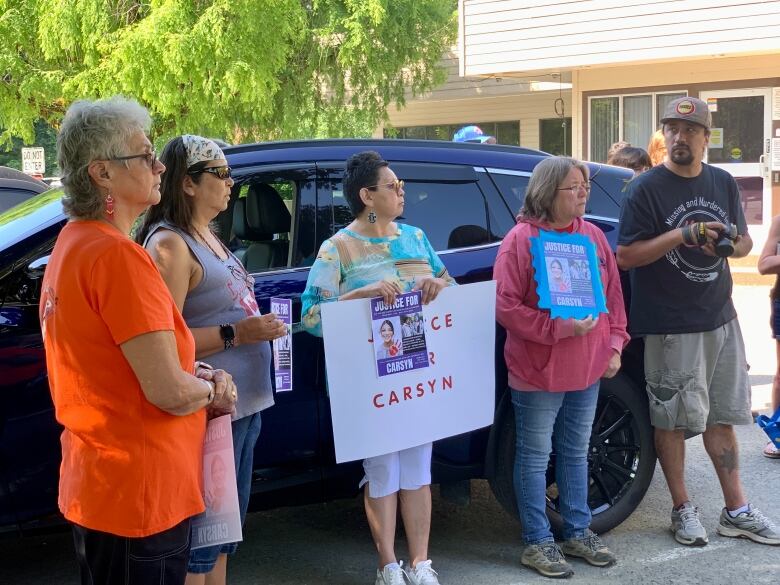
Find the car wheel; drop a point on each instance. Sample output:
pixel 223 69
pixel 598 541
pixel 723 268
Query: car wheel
pixel 621 460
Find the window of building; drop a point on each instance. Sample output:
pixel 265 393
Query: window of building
pixel 505 132
pixel 555 136
pixel 632 118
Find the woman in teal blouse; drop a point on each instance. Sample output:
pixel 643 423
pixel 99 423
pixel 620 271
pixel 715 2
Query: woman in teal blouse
pixel 376 257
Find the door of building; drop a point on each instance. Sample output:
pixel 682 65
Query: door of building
pixel 739 143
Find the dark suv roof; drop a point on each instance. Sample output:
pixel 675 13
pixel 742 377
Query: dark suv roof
pixel 16 187
pixel 434 151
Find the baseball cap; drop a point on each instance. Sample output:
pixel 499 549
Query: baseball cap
pixel 471 134
pixel 689 109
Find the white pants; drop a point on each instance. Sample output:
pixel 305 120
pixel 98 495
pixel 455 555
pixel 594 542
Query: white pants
pixel 409 469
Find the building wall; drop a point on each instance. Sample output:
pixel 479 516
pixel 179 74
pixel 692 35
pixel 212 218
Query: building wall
pixel 528 108
pixel 692 75
pixel 497 36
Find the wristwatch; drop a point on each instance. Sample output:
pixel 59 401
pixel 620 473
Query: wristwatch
pixel 228 334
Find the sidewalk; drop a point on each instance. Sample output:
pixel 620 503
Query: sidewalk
pixel 752 303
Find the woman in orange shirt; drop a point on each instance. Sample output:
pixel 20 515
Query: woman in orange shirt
pixel 121 361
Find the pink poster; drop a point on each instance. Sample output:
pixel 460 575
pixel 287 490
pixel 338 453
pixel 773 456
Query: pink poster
pixel 221 522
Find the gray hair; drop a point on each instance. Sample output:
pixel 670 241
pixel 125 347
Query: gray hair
pixel 543 186
pixel 94 130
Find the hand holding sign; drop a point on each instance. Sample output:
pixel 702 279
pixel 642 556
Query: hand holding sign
pixel 430 287
pixel 583 326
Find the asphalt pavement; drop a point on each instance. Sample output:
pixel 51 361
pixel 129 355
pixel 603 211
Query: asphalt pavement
pixel 480 543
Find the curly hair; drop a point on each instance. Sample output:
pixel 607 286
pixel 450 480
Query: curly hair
pixel 94 130
pixel 362 171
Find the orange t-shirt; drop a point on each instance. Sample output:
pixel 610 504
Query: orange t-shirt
pixel 128 468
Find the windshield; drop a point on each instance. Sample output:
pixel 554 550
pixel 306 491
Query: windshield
pixel 30 216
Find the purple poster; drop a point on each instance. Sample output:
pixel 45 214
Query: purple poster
pixel 283 345
pixel 221 522
pixel 399 334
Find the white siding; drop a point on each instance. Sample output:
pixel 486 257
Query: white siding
pixel 537 35
pixel 528 108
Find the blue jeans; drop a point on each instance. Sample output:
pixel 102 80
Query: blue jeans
pixel 544 419
pixel 245 434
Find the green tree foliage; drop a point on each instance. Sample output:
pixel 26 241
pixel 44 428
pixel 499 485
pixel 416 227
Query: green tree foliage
pixel 45 136
pixel 238 69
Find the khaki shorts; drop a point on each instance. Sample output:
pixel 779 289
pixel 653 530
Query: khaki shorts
pixel 696 380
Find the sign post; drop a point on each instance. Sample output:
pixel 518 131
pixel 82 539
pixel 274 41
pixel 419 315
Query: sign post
pixel 33 161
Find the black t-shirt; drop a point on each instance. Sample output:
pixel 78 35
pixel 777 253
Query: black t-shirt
pixel 685 291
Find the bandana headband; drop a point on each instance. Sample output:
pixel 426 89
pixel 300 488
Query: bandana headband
pixel 200 149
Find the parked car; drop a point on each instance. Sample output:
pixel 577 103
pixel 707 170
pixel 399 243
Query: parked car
pixel 286 200
pixel 16 187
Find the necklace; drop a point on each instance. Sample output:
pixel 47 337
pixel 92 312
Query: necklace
pixel 209 246
pixel 237 270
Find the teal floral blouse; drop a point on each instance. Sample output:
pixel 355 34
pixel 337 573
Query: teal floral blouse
pixel 348 261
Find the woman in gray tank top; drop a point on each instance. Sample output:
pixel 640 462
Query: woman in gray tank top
pixel 216 297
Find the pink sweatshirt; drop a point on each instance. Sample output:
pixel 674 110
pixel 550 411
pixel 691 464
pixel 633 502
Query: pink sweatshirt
pixel 542 353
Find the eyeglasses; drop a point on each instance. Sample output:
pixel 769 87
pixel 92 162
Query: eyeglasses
pixel 223 173
pixel 241 275
pixel 397 185
pixel 574 188
pixel 149 157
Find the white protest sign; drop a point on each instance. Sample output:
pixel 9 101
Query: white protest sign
pixel 454 394
pixel 221 522
pixel 33 161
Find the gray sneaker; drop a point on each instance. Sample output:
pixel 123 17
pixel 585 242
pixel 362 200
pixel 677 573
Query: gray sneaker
pixel 687 527
pixel 392 574
pixel 751 524
pixel 547 559
pixel 590 548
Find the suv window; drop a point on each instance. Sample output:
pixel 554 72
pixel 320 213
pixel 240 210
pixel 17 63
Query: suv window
pixel 266 216
pixel 608 189
pixel 446 203
pixel 512 185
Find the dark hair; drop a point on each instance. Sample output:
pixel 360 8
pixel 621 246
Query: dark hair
pixel 175 206
pixel 388 322
pixel 554 262
pixel 362 171
pixel 616 146
pixel 632 157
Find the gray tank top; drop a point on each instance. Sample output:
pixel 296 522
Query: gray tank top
pixel 226 295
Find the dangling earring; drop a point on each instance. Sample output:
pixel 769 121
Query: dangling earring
pixel 109 205
pixel 371 216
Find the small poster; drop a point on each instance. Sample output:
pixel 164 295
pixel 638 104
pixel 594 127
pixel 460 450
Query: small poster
pixel 399 334
pixel 221 522
pixel 716 138
pixel 568 275
pixel 283 345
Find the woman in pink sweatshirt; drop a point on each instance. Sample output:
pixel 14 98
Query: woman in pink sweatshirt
pixel 554 369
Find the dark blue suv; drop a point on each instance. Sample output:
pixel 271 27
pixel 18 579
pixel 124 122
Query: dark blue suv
pixel 287 199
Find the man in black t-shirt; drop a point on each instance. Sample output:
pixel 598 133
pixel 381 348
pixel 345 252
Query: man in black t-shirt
pixel 695 364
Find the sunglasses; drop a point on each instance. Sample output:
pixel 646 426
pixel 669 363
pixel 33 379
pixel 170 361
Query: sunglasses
pixel 397 185
pixel 223 173
pixel 149 157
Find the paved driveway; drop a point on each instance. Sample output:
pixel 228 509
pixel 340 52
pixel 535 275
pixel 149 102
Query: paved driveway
pixel 478 544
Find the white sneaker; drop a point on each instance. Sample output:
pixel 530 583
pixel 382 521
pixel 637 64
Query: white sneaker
pixel 391 574
pixel 423 574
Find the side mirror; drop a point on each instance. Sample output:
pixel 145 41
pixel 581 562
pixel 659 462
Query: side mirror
pixel 36 268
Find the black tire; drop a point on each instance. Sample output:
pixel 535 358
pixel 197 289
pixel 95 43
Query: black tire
pixel 621 460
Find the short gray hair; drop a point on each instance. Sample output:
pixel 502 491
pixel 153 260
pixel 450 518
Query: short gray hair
pixel 94 130
pixel 543 186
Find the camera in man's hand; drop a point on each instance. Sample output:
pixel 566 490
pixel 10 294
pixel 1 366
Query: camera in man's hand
pixel 724 245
